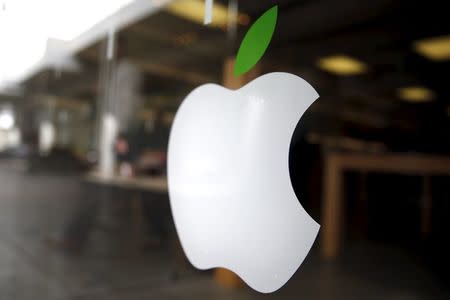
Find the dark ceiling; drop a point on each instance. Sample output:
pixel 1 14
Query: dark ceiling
pixel 176 55
pixel 380 33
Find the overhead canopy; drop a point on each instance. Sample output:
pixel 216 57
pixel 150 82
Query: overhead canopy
pixel 380 38
pixel 77 25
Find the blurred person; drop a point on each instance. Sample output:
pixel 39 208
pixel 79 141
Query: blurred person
pixel 143 150
pixel 143 147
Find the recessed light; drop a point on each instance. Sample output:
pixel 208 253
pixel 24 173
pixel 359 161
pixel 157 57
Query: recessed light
pixel 416 94
pixel 194 10
pixel 437 48
pixel 342 65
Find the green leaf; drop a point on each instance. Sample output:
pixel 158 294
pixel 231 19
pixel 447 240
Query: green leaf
pixel 256 41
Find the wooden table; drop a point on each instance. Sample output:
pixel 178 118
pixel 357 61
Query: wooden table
pixel 137 184
pixel 147 183
pixel 333 203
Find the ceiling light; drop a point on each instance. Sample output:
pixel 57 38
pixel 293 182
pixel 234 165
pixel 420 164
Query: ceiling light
pixel 342 65
pixel 437 48
pixel 416 94
pixel 194 10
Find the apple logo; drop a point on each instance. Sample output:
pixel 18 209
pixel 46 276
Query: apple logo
pixel 229 185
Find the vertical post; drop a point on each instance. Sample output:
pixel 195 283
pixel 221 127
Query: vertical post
pixel 107 121
pixel 208 11
pixel 331 207
pixel 426 207
pixel 232 82
pixel 108 133
pixel 229 80
pixel 362 204
pixel 46 136
pixel 223 276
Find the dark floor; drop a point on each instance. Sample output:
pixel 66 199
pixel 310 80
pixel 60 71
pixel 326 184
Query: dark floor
pixel 35 207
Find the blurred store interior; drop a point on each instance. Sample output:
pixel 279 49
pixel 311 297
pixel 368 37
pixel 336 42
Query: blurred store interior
pixel 88 92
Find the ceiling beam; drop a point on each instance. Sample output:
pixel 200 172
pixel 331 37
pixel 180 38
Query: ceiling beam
pixel 172 72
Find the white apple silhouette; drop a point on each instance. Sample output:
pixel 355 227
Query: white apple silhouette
pixel 229 185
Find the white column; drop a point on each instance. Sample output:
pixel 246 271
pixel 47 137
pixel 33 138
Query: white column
pixel 108 135
pixel 46 137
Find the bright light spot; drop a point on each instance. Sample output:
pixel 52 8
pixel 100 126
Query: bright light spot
pixel 6 120
pixel 437 48
pixel 415 94
pixel 342 65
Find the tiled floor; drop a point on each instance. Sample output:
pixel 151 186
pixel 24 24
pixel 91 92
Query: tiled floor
pixel 32 208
